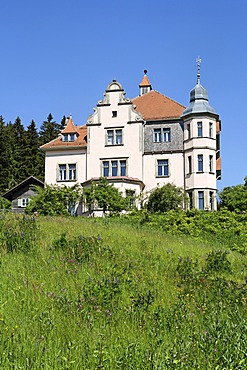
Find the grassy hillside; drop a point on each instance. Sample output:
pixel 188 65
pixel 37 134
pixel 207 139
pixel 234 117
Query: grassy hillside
pixel 113 294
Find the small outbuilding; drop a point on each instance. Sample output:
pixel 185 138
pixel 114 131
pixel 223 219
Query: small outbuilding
pixel 21 193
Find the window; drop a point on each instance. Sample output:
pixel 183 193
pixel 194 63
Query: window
pixel 122 168
pixel 201 200
pixel 167 134
pixel 189 132
pixel 162 167
pixel 200 162
pixel 190 200
pixel 210 134
pixel 62 172
pixel 119 138
pixel 211 200
pixel 114 167
pixel 114 114
pixel 210 163
pixel 157 135
pixel 67 172
pixel 105 168
pixel 199 129
pixel 72 171
pixel 189 165
pixel 130 195
pixel 114 137
pixel 69 137
pixel 23 202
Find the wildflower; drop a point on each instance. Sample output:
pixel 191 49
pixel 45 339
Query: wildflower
pixel 108 313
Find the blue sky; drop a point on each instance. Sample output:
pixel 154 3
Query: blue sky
pixel 58 57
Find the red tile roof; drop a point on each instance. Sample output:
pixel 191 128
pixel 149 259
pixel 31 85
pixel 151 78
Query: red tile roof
pixel 155 106
pixel 145 81
pixel 70 127
pixel 80 141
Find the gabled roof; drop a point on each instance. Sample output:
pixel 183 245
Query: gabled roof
pixel 31 180
pixel 58 143
pixel 156 106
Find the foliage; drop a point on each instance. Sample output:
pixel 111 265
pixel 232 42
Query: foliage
pixel 234 198
pixel 224 227
pixel 49 130
pixel 4 203
pixel 55 200
pixel 18 235
pixel 165 198
pixel 123 296
pixel 20 156
pixel 103 195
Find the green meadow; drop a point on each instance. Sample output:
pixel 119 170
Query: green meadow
pixel 122 293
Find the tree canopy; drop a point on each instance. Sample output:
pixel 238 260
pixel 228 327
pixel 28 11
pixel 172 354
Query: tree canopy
pixel 55 200
pixel 166 198
pixel 234 198
pixel 103 195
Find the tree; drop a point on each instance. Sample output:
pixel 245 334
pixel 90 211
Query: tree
pixel 49 130
pixel 35 160
pixel 166 198
pixel 55 200
pixel 105 196
pixel 234 198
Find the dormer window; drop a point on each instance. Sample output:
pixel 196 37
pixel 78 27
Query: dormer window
pixel 69 137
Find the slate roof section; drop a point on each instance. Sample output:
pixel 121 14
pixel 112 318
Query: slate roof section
pixel 155 106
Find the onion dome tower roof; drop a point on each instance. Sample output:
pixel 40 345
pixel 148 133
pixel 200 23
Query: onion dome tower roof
pixel 198 98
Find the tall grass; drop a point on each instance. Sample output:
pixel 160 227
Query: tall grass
pixel 99 294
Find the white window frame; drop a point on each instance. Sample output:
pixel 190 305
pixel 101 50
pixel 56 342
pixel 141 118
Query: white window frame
pixel 161 135
pixel 201 200
pixel 200 163
pixel 23 202
pixel 67 172
pixel 165 167
pixel 167 134
pixel 114 136
pixel 112 165
pixel 69 137
pixel 210 130
pixel 199 129
pixel 157 135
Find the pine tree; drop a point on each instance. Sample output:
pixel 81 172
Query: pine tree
pixel 3 157
pixel 63 122
pixel 49 130
pixel 20 170
pixel 34 158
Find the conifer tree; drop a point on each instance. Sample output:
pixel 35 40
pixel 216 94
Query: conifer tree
pixel 3 157
pixel 49 130
pixel 34 158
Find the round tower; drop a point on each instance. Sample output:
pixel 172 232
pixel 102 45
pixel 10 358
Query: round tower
pixel 200 148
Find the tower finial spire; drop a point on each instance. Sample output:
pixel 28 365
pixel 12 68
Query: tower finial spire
pixel 198 62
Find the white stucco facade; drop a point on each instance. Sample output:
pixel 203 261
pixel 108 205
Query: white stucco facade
pixel 142 144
